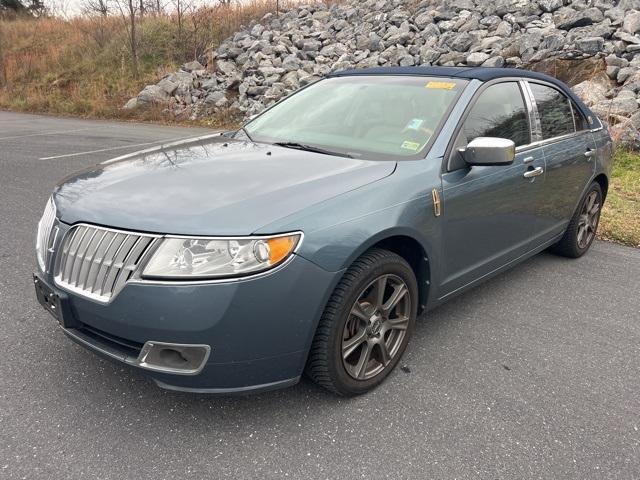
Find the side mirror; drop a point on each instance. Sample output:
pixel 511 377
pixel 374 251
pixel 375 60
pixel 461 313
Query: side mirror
pixel 489 151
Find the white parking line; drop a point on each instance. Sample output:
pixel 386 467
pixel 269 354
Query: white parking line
pixel 56 132
pixel 77 154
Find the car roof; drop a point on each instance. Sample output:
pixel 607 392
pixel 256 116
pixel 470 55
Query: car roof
pixel 483 74
pixel 480 73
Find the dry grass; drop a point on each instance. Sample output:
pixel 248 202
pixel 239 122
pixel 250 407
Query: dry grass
pixel 82 66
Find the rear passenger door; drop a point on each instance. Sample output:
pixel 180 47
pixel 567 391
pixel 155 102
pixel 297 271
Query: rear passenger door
pixel 569 152
pixel 490 211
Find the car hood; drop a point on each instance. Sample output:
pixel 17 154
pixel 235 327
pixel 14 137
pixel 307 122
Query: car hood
pixel 209 186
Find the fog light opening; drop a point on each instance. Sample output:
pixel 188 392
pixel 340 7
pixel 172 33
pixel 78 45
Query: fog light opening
pixel 173 358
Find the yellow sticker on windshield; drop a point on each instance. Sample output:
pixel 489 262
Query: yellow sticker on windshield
pixel 441 85
pixel 413 146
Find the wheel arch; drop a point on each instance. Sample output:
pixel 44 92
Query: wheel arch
pixel 603 181
pixel 409 246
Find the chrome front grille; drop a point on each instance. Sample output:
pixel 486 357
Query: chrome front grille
pixel 45 240
pixel 96 262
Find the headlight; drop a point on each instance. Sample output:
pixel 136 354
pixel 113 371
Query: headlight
pixel 188 258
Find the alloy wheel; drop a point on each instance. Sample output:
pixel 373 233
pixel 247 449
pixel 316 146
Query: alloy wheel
pixel 589 219
pixel 376 327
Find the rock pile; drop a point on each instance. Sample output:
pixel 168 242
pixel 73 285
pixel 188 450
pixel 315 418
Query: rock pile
pixel 594 45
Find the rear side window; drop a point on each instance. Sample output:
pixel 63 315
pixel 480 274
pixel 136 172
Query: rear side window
pixel 499 112
pixel 554 108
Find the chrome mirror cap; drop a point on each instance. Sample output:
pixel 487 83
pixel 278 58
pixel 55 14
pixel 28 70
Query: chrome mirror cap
pixel 489 151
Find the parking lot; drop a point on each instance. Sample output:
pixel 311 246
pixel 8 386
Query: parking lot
pixel 535 374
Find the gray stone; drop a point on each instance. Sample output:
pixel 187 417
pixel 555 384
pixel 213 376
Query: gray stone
pixel 581 19
pixel 612 71
pixel 626 37
pixel 615 61
pixel 131 104
pixel 291 63
pixel 216 99
pixel 375 43
pixel 152 94
pixel 422 20
pixel 592 91
pixel 311 46
pixel 226 67
pixel 477 58
pixel 168 86
pixel 631 22
pixel 552 42
pixel 461 42
pixel 304 81
pixel 625 73
pixel 550 5
pixel 590 45
pixel 191 66
pixel 496 62
pixel 504 29
pixel 209 83
pixel 624 105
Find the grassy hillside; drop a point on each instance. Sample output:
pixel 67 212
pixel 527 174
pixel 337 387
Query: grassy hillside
pixel 83 66
pixel 621 215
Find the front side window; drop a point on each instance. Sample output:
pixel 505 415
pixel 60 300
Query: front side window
pixel 554 109
pixel 499 112
pixel 372 117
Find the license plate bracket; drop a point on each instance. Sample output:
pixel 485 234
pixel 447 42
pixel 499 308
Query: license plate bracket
pixel 52 302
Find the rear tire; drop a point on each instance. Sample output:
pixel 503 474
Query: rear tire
pixel 366 324
pixel 583 226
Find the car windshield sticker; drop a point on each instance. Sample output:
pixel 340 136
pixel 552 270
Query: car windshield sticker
pixel 441 85
pixel 413 146
pixel 415 124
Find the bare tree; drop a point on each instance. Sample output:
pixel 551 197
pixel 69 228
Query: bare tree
pixel 129 12
pixel 96 7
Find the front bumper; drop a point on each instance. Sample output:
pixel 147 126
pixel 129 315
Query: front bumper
pixel 259 329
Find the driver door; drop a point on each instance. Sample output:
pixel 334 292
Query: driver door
pixel 490 211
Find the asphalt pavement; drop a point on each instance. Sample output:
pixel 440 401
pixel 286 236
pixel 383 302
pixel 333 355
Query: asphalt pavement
pixel 533 375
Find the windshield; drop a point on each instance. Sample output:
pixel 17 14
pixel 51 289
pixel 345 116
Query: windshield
pixel 374 117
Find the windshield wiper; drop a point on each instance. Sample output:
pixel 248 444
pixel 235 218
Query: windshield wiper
pixel 310 148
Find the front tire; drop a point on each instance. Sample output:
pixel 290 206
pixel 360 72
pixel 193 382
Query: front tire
pixel 366 325
pixel 583 226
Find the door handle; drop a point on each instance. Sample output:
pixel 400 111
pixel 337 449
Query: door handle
pixel 589 153
pixel 536 172
pixel 528 160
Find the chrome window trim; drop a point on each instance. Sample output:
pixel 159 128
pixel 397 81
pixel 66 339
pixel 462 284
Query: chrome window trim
pixel 534 118
pixel 549 141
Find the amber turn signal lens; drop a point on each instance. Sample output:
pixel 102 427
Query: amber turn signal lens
pixel 281 247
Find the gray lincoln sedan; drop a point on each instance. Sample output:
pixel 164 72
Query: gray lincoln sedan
pixel 309 240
